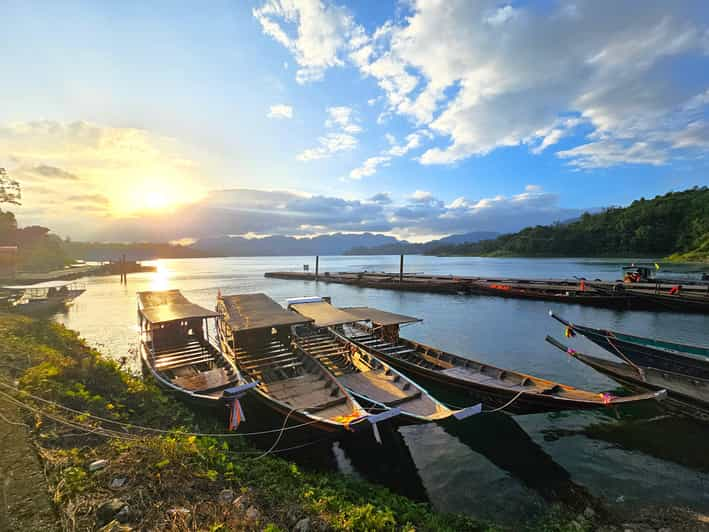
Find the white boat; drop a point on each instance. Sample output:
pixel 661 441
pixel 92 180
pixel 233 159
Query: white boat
pixel 43 297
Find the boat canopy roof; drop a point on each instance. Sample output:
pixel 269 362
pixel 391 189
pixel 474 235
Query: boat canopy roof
pixel 324 314
pixel 170 305
pixel 379 317
pixel 248 312
pixel 39 286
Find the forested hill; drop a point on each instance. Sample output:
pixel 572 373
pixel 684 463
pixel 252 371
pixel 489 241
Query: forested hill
pixel 674 224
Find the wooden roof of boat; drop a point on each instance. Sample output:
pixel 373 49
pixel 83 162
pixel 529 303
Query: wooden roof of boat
pixel 324 314
pixel 379 317
pixel 248 312
pixel 170 305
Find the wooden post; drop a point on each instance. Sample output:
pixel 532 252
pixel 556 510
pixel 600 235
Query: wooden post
pixel 401 267
pixel 124 276
pixel 317 266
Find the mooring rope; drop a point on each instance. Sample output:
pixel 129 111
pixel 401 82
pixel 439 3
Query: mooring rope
pixel 153 429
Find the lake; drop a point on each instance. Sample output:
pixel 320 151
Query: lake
pixel 491 465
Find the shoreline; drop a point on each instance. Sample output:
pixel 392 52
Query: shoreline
pixel 185 482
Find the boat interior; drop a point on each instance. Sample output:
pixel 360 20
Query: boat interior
pixel 463 369
pixel 180 352
pixel 256 332
pixel 365 375
pixel 289 377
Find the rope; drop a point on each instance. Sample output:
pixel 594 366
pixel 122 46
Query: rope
pixel 113 434
pixel 280 435
pixel 153 429
pixel 622 355
pixel 508 403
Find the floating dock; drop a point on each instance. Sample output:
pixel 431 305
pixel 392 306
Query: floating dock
pixel 607 294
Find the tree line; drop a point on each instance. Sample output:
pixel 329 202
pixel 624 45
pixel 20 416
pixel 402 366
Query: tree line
pixel 676 223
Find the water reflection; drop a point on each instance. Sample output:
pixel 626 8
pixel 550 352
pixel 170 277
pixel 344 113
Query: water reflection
pixel 500 439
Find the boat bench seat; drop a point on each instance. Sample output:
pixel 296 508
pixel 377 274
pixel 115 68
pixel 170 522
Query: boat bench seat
pixel 200 359
pixel 179 356
pixel 329 404
pixel 275 361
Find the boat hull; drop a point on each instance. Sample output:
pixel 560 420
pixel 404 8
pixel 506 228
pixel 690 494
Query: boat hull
pixel 684 395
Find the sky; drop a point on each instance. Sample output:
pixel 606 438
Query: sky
pixel 298 117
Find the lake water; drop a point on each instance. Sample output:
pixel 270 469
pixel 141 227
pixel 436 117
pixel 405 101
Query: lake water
pixel 491 465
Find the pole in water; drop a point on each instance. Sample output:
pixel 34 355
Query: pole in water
pixel 401 267
pixel 124 276
pixel 317 266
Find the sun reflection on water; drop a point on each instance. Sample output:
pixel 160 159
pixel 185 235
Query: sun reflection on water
pixel 161 277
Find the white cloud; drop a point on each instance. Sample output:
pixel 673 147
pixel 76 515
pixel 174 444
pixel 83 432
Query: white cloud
pixel 483 75
pixel 421 196
pixel 413 141
pixel 340 119
pixel 318 34
pixel 280 111
pixel 62 165
pixel 369 167
pixel 608 152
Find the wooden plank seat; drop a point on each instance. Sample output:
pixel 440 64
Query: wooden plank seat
pixel 260 350
pixel 185 362
pixel 287 357
pixel 178 358
pixel 177 347
pixel 324 406
pixel 275 366
pixel 179 353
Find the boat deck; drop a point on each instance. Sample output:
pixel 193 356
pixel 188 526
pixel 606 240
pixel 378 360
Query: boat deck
pixel 284 375
pixel 378 384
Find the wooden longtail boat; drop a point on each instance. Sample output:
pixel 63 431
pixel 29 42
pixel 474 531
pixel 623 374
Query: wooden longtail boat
pixel 497 388
pixel 362 373
pixel 255 333
pixel 175 348
pixel 691 360
pixel 686 395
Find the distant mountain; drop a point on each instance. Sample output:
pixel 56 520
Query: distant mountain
pixel 335 244
pixel 408 248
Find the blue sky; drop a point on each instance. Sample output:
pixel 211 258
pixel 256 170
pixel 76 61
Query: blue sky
pixel 468 115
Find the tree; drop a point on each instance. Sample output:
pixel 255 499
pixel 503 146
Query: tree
pixel 9 189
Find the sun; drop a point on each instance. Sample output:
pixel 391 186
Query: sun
pixel 156 201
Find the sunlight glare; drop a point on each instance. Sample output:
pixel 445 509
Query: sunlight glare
pixel 161 278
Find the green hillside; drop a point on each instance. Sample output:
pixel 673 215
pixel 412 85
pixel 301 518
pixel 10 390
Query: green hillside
pixel 676 225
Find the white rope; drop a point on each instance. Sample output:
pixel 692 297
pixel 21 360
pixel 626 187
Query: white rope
pixel 280 435
pixel 153 429
pixel 508 403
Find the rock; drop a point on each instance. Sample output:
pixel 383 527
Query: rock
pixel 303 525
pixel 252 514
pixel 97 464
pixel 664 530
pixel 118 483
pixel 108 510
pixel 226 496
pixel 241 502
pixel 589 513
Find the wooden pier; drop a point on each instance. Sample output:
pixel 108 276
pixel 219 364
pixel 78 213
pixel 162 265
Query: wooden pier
pixel 607 294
